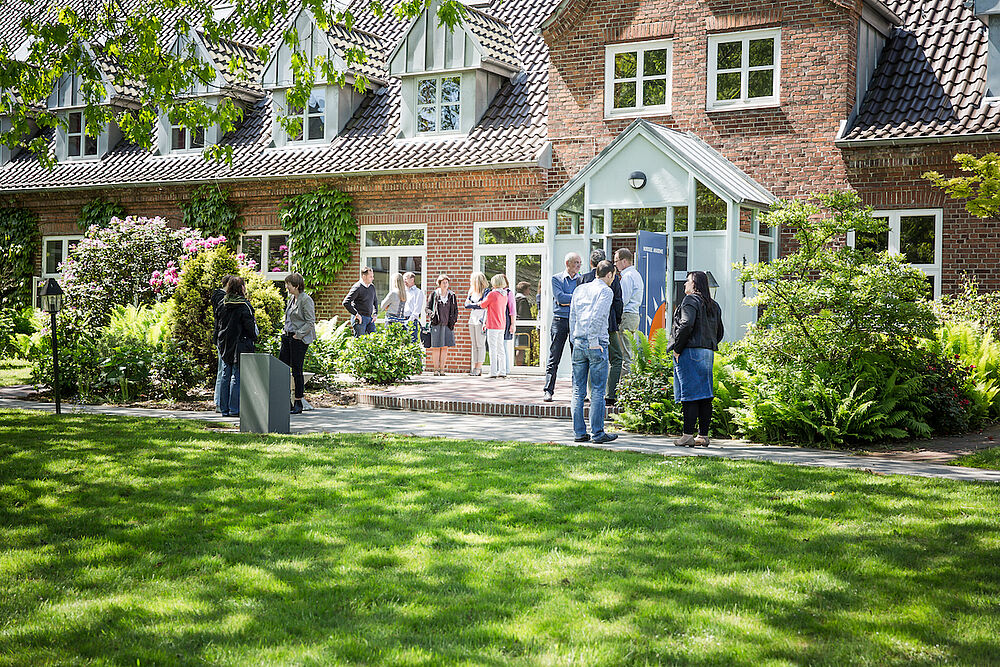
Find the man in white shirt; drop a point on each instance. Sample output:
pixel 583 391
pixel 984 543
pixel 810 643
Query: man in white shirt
pixel 632 294
pixel 588 326
pixel 414 303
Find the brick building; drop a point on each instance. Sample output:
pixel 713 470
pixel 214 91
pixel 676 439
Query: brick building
pixel 504 144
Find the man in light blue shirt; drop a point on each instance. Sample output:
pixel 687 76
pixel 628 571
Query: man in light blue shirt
pixel 588 326
pixel 414 304
pixel 632 293
pixel 563 286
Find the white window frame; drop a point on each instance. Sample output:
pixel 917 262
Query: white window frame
pixel 417 106
pixel 743 102
pixel 265 244
pixel 84 155
pixel 65 240
pixel 894 216
pixel 609 78
pixel 317 91
pixel 188 135
pixel 394 252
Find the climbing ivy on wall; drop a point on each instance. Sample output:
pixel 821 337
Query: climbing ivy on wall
pixel 99 212
pixel 211 212
pixel 323 229
pixel 18 242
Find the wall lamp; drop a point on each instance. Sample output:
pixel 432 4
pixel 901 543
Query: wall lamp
pixel 637 180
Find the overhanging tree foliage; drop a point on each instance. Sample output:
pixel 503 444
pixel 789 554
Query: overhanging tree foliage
pixel 981 190
pixel 132 39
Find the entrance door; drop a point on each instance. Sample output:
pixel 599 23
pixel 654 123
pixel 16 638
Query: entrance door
pixel 524 274
pixel 393 249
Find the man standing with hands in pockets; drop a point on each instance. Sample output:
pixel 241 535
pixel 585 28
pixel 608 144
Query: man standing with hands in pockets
pixel 588 327
pixel 362 303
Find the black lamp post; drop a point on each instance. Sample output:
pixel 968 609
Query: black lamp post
pixel 51 297
pixel 713 284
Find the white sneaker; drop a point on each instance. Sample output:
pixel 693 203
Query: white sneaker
pixel 686 440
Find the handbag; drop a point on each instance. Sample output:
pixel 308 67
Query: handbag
pixel 425 336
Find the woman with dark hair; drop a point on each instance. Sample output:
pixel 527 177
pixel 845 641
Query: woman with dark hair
pixel 237 334
pixel 299 331
pixel 694 337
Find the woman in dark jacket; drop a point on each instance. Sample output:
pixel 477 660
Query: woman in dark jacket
pixel 237 333
pixel 442 314
pixel 694 337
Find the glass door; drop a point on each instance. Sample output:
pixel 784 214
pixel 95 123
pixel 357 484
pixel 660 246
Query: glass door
pixel 390 250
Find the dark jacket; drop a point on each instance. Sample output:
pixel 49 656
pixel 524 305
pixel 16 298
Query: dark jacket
pixel 237 328
pixel 362 300
pixel 696 324
pixel 617 303
pixel 442 313
pixel 217 297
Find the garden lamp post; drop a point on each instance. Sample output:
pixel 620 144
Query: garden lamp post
pixel 51 297
pixel 713 284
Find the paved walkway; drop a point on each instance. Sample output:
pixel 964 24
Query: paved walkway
pixel 361 419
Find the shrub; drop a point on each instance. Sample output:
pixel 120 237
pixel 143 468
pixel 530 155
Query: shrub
pixel 14 323
pixel 18 239
pixel 113 265
pixel 211 212
pixel 323 354
pixel 975 356
pixel 99 212
pixel 982 309
pixel 388 355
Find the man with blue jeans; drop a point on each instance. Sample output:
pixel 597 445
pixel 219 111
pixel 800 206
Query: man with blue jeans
pixel 588 326
pixel 362 303
pixel 563 286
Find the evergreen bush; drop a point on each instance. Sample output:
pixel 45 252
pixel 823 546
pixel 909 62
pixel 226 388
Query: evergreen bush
pixel 388 355
pixel 18 239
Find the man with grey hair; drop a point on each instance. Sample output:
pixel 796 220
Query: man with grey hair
pixel 563 286
pixel 414 304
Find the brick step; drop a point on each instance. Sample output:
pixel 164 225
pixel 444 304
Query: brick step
pixel 388 400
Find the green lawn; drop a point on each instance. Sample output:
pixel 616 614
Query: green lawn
pixel 14 371
pixel 984 458
pixel 127 542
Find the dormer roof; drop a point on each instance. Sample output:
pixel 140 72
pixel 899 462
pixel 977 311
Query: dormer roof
pixel 224 51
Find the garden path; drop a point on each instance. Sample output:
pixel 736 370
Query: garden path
pixel 363 419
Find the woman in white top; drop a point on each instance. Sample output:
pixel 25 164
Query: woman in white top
pixel 477 318
pixel 394 303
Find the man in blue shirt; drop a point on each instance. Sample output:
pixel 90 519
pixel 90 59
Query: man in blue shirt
pixel 588 324
pixel 563 286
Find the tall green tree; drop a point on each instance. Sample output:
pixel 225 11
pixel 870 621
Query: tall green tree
pixel 981 189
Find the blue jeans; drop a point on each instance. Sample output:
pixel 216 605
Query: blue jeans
pixel 365 326
pixel 218 384
pixel 229 396
pixel 589 365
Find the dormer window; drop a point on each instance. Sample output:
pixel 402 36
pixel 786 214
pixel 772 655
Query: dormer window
pixel 313 118
pixel 181 139
pixel 439 104
pixel 79 144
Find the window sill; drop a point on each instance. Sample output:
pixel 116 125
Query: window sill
pixel 638 113
pixel 749 106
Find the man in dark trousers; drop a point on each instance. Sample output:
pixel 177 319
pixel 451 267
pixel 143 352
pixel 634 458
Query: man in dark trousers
pixel 217 298
pixel 562 295
pixel 362 303
pixel 614 317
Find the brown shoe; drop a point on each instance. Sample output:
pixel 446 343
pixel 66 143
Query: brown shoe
pixel 702 441
pixel 686 440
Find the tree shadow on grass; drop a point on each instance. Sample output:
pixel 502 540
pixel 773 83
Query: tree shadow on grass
pixel 130 540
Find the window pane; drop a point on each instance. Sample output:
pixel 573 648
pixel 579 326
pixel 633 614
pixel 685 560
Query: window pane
pixel 427 91
pixel 761 52
pixel 727 86
pixel 394 237
pixel 198 140
pixel 426 122
pixel 916 238
pixel 380 266
pixel 529 234
pixel 625 65
pixel 597 221
pixel 680 267
pixel 764 252
pixel 415 265
pixel 277 255
pixel 317 104
pixel 449 117
pixel 761 83
pixel 710 211
pixel 680 218
pixel 875 242
pixel 491 265
pixel 316 127
pixel 569 217
pixel 451 89
pixel 654 92
pixel 931 280
pixel 90 145
pixel 654 63
pixel 765 229
pixel 74 146
pixel 251 247
pixel 75 123
pixel 729 55
pixel 631 220
pixel 53 256
pixel 746 220
pixel 177 139
pixel 624 95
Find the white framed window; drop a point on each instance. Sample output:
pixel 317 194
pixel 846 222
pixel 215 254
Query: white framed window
pixel 390 249
pixel 55 250
pixel 637 78
pixel 744 69
pixel 439 104
pixel 313 118
pixel 914 233
pixel 269 251
pixel 183 140
pixel 78 143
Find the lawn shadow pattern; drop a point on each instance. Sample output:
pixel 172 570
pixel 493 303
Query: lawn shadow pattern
pixel 128 540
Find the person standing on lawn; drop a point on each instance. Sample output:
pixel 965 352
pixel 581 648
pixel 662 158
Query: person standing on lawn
pixel 414 304
pixel 237 334
pixel 695 334
pixel 217 297
pixel 563 286
pixel 362 303
pixel 614 338
pixel 588 325
pixel 298 333
pixel 632 294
